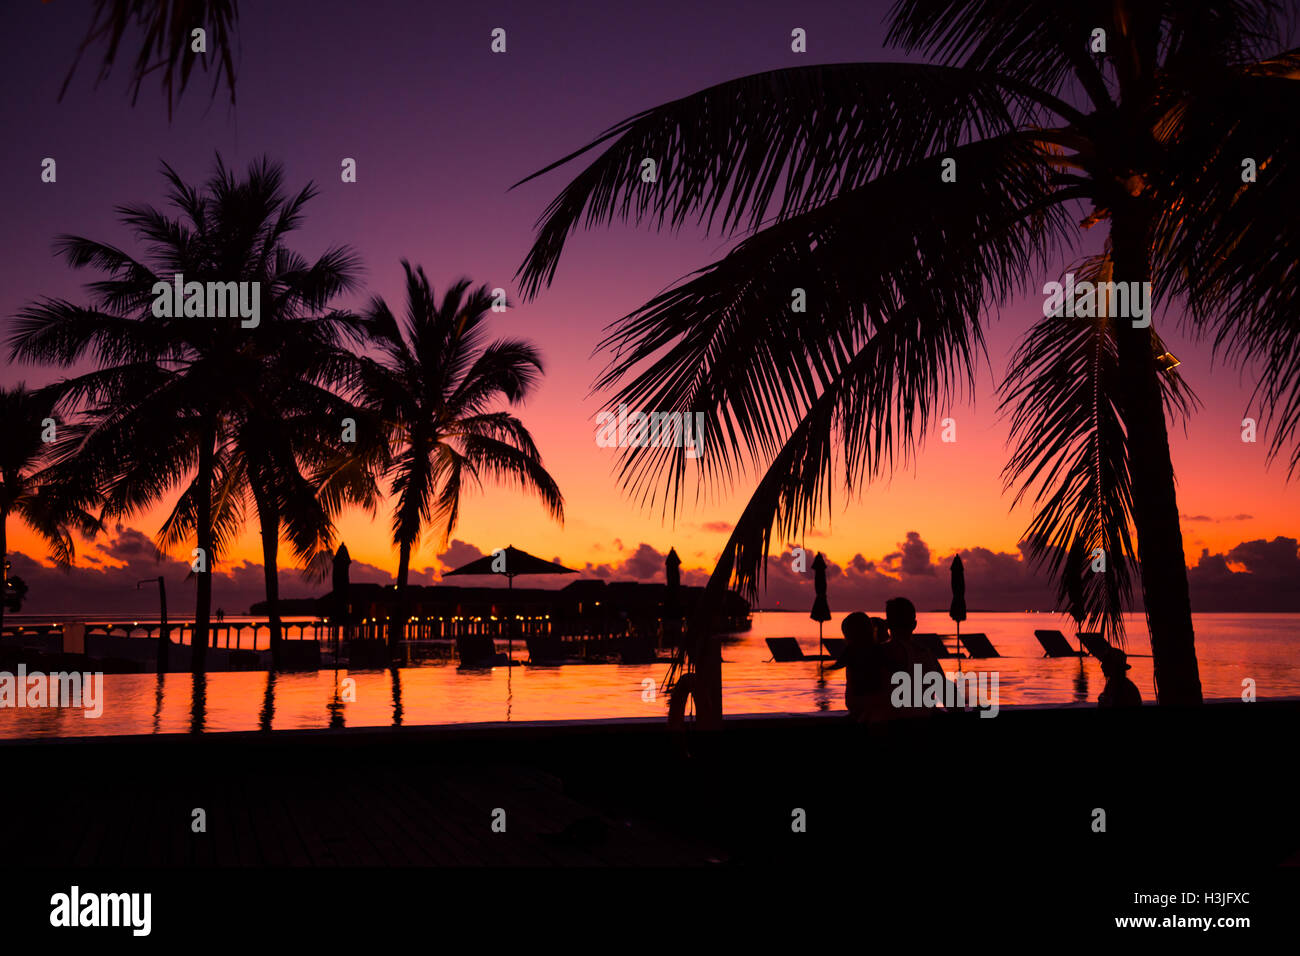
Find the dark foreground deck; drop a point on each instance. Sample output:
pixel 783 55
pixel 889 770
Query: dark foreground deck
pixel 1205 788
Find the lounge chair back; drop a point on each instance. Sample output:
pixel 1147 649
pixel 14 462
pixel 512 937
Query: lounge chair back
pixel 785 649
pixel 932 643
pixel 1097 645
pixel 1055 644
pixel 979 645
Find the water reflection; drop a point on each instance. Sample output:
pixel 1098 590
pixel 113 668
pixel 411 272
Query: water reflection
pixel 160 684
pixel 1229 647
pixel 1081 683
pixel 267 715
pixel 824 692
pixel 335 706
pixel 198 702
pixel 397 696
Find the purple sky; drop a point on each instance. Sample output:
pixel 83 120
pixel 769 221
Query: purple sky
pixel 440 128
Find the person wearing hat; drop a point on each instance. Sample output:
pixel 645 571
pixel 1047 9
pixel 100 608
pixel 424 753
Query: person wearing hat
pixel 1119 690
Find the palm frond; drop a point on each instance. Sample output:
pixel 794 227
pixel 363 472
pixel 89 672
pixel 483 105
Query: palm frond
pixel 807 133
pixel 164 29
pixel 1071 453
pixel 726 344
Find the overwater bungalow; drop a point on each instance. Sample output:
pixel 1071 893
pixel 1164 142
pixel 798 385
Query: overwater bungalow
pixel 586 612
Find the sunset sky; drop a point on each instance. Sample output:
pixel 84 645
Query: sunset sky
pixel 440 128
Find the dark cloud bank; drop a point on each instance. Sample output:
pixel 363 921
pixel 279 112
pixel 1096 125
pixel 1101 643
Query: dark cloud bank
pixel 1255 575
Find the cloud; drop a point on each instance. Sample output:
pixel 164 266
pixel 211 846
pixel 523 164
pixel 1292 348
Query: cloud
pixel 1255 575
pixel 717 526
pixel 996 581
pixel 1269 581
pixel 1259 575
pixel 129 545
pixel 458 553
pixel 645 563
pixel 96 588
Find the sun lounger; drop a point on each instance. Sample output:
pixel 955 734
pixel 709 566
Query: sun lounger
pixel 932 643
pixel 1097 645
pixel 978 645
pixel 786 649
pixel 834 646
pixel 1055 644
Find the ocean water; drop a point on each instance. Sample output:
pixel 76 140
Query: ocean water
pixel 1231 648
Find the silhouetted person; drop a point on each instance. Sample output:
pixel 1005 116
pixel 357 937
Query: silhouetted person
pixel 866 670
pixel 221 614
pixel 1119 690
pixel 903 653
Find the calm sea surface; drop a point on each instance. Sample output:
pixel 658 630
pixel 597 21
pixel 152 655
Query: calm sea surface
pixel 1231 648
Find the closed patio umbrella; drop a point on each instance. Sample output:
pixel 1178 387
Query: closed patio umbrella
pixel 821 609
pixel 671 626
pixel 957 610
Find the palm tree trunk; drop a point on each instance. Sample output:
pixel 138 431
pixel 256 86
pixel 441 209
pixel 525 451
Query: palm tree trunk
pixel 704 649
pixel 397 617
pixel 1155 501
pixel 270 522
pixel 203 510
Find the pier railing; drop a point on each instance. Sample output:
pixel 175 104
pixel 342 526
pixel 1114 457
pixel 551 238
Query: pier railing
pixel 578 636
pixel 232 635
pixel 223 634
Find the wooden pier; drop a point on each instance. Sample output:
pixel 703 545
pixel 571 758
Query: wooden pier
pixel 425 637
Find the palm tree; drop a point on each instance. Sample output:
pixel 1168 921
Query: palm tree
pixel 27 418
pixel 834 175
pixel 166 43
pixel 434 387
pixel 280 437
pixel 203 406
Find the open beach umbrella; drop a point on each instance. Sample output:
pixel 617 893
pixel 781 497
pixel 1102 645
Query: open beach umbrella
pixel 510 562
pixel 957 610
pixel 821 610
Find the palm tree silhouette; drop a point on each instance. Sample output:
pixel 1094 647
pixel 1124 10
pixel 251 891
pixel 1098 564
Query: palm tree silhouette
pixel 27 417
pixel 203 406
pixel 434 386
pixel 835 172
pixel 282 432
pixel 164 29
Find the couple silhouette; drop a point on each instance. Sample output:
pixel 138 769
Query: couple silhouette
pixel 875 650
